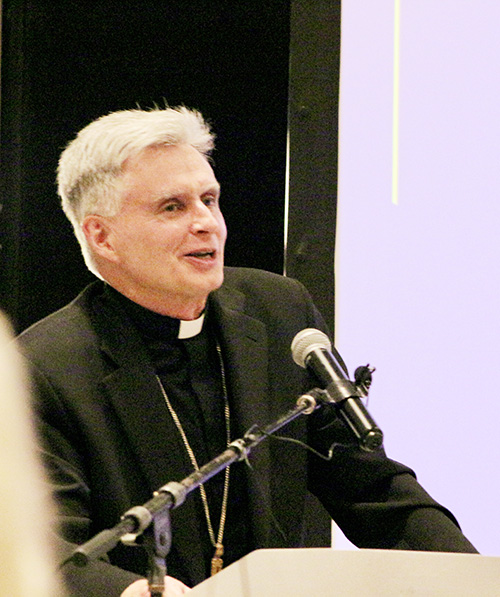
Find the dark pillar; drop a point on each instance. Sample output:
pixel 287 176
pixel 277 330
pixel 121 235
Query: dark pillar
pixel 313 132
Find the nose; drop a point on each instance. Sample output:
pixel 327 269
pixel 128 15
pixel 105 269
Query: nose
pixel 204 218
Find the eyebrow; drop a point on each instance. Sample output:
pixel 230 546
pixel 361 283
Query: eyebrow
pixel 213 188
pixel 173 194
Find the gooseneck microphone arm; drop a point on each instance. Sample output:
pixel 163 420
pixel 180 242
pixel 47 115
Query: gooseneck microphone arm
pixel 152 518
pixel 312 350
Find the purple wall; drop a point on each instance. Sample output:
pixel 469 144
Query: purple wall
pixel 418 283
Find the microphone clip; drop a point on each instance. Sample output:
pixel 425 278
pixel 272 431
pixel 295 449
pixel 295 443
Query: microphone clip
pixel 363 379
pixel 341 389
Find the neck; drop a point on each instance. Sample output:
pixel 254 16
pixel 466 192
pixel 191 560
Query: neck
pixel 186 309
pixel 183 312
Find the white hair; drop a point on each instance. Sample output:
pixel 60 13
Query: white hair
pixel 91 164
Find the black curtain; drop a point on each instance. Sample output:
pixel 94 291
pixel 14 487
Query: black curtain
pixel 65 63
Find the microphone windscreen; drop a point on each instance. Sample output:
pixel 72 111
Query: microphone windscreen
pixel 307 340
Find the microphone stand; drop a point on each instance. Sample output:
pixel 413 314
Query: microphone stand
pixel 152 519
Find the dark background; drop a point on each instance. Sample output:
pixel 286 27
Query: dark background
pixel 255 69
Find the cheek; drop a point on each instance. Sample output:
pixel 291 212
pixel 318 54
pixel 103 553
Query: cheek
pixel 124 233
pixel 145 240
pixel 134 245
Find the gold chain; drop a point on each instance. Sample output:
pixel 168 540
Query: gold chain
pixel 217 562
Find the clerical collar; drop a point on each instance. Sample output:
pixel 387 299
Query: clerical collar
pixel 188 329
pixel 156 325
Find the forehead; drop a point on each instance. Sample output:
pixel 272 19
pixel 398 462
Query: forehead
pixel 161 171
pixel 180 159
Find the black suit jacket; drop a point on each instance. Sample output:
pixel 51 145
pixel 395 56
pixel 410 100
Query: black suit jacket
pixel 109 441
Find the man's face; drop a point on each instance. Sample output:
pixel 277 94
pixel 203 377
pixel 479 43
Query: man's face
pixel 168 237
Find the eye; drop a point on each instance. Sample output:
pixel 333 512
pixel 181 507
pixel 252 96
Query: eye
pixel 172 206
pixel 211 200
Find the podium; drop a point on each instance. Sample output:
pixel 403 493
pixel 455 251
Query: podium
pixel 324 572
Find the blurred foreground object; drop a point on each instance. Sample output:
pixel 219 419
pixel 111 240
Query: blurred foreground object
pixel 28 565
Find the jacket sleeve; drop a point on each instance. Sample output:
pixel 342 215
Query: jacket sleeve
pixel 376 501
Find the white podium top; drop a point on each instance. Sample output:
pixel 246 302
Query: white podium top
pixel 319 572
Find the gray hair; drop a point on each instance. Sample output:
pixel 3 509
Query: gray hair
pixel 91 164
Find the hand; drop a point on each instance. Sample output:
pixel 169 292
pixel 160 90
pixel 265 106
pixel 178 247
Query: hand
pixel 173 588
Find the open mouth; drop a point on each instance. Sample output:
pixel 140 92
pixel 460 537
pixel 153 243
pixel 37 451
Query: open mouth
pixel 202 254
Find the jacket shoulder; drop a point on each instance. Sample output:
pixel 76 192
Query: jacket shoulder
pixel 62 330
pixel 249 279
pixel 269 297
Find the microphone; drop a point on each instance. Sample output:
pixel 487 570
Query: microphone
pixel 312 350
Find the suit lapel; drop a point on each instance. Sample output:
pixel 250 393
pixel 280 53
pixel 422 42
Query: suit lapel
pixel 244 342
pixel 139 405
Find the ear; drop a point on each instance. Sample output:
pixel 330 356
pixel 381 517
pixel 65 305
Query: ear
pixel 98 233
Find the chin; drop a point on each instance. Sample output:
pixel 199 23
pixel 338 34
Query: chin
pixel 206 285
pixel 214 285
pixel 215 279
pixel 219 280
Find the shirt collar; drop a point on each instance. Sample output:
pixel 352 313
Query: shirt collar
pixel 155 325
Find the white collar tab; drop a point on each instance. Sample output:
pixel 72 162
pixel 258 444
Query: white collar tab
pixel 189 329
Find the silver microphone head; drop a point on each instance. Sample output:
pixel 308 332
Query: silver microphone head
pixel 307 340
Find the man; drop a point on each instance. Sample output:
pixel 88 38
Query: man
pixel 154 368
